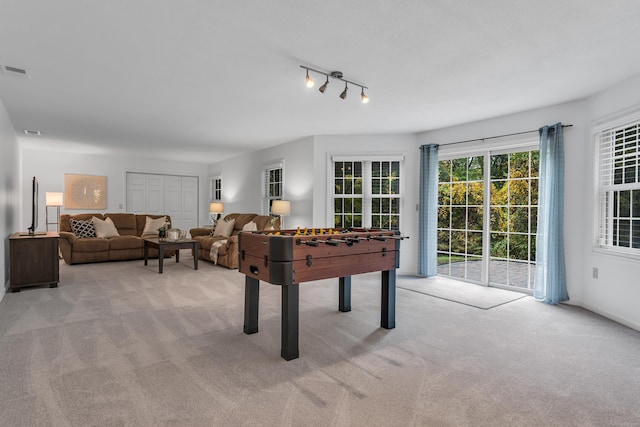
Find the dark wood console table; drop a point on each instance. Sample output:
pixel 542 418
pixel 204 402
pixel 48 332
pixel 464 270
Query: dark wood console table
pixel 34 260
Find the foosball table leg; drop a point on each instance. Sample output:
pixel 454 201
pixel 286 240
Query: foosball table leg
pixel 251 296
pixel 388 309
pixel 289 331
pixel 344 298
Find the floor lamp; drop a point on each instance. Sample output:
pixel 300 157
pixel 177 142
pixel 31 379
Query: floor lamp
pixel 53 200
pixel 281 208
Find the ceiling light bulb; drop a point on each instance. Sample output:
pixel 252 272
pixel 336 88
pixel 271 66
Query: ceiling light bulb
pixel 324 86
pixel 343 95
pixel 310 82
pixel 365 98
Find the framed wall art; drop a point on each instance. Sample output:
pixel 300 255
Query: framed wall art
pixel 85 191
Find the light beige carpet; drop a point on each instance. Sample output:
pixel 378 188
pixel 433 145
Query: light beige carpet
pixel 118 344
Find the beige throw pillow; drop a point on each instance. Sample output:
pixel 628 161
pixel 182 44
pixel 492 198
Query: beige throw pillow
pixel 152 225
pixel 250 226
pixel 224 228
pixel 105 228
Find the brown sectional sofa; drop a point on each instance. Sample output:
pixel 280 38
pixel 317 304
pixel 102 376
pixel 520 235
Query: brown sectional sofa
pixel 228 252
pixel 128 246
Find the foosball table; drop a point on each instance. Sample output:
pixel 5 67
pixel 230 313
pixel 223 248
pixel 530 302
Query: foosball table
pixel 290 257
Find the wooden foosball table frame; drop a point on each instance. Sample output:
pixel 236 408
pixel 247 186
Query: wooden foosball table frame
pixel 290 257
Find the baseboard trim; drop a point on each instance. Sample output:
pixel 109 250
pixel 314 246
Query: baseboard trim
pixel 622 320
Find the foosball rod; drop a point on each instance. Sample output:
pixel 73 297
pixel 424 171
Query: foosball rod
pixel 384 238
pixel 330 242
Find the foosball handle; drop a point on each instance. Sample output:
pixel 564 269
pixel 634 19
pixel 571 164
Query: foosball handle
pixel 314 243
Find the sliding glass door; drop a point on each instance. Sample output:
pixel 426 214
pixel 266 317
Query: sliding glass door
pixel 499 249
pixel 460 217
pixel 514 213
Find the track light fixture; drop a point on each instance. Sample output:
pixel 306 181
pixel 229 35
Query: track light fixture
pixel 324 86
pixel 338 76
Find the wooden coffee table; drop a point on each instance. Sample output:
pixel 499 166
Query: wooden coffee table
pixel 164 245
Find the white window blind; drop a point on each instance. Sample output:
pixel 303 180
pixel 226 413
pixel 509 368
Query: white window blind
pixel 619 188
pixel 215 188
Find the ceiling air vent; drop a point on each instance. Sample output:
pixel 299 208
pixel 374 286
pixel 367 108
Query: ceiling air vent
pixel 13 71
pixel 32 132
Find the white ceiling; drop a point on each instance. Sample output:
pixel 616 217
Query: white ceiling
pixel 203 80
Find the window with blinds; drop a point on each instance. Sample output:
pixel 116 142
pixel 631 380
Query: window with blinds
pixel 215 188
pixel 619 188
pixel 272 187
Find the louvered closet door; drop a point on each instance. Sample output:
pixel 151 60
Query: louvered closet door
pixel 155 196
pixel 172 195
pixel 136 192
pixel 189 202
pixel 145 193
pixel 173 200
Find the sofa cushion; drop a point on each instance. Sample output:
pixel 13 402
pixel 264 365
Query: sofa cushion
pixel 263 222
pixel 125 242
pixel 250 226
pixel 105 228
pixel 141 221
pixel 91 244
pixel 205 242
pixel 152 225
pixel 241 220
pixel 82 228
pixel 65 220
pixel 224 227
pixel 124 222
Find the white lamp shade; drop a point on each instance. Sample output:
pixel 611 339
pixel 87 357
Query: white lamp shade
pixel 281 207
pixel 216 207
pixel 53 199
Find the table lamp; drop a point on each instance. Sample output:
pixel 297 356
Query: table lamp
pixel 215 209
pixel 281 208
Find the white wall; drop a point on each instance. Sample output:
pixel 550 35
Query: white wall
pixel 242 180
pixel 616 292
pixel 9 191
pixel 50 166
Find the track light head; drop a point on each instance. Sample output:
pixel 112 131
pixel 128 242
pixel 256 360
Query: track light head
pixel 365 98
pixel 324 86
pixel 309 81
pixel 343 95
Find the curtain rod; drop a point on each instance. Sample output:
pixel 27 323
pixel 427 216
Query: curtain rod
pixel 498 136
